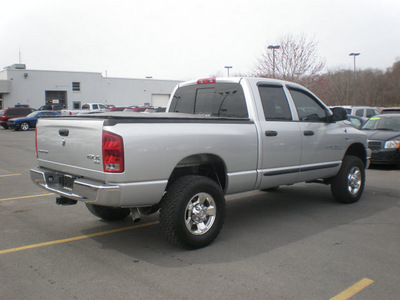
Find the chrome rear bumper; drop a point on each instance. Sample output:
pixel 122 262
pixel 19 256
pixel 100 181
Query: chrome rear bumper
pixel 79 189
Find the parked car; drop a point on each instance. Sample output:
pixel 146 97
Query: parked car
pixel 137 108
pixel 383 133
pixel 25 123
pixel 358 122
pixel 97 107
pixel 118 108
pixel 390 110
pixel 155 110
pixel 56 107
pixel 361 111
pixel 13 112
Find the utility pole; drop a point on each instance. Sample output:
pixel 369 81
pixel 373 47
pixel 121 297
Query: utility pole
pixel 355 75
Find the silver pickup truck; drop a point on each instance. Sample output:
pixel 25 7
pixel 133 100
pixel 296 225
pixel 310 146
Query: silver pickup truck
pixel 218 137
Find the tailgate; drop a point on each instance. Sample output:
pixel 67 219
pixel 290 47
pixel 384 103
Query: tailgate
pixel 71 145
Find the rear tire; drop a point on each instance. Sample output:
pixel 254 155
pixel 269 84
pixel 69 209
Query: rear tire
pixel 192 212
pixel 348 185
pixel 108 213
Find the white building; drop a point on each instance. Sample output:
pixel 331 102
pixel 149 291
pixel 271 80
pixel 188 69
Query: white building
pixel 35 88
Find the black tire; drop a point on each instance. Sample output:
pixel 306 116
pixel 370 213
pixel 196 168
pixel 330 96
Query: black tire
pixel 348 185
pixel 24 126
pixel 192 212
pixel 108 213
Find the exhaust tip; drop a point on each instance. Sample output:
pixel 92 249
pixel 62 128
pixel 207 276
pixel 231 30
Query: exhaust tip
pixel 135 214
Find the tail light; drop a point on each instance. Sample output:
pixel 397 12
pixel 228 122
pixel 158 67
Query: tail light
pixel 113 153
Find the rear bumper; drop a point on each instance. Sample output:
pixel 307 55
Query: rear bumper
pixel 79 189
pixel 131 194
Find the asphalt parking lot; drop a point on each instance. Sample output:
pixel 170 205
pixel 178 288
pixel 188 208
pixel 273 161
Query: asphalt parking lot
pixel 295 243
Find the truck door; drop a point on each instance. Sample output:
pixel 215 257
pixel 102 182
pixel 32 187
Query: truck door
pixel 323 141
pixel 280 138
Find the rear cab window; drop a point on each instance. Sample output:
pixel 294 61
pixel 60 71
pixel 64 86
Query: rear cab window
pixel 215 100
pixel 274 102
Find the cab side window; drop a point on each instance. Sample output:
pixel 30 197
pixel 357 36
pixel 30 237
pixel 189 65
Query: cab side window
pixel 275 104
pixel 371 112
pixel 360 112
pixel 308 108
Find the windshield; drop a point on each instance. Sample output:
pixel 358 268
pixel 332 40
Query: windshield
pixel 34 114
pixel 383 123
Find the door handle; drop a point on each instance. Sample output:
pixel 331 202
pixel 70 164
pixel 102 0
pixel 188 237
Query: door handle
pixel 308 133
pixel 271 133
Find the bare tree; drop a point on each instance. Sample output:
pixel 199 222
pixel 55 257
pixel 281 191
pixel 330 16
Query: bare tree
pixel 392 85
pixel 296 58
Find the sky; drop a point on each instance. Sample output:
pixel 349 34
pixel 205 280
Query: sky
pixel 185 39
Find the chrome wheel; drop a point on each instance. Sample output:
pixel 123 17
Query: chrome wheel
pixel 354 180
pixel 192 211
pixel 24 126
pixel 200 213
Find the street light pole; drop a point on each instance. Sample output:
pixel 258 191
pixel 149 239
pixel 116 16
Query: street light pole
pixel 228 67
pixel 355 74
pixel 273 47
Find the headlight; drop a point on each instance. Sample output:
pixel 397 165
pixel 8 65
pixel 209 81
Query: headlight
pixel 392 145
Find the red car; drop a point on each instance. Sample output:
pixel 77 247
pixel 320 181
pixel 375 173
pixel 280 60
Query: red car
pixel 120 108
pixel 138 108
pixel 14 112
pixel 390 110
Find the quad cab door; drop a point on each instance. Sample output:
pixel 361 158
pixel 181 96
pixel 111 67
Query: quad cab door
pixel 322 141
pixel 280 138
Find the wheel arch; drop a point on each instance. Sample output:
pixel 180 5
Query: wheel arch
pixel 205 164
pixel 358 149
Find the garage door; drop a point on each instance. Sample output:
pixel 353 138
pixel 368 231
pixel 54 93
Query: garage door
pixel 159 100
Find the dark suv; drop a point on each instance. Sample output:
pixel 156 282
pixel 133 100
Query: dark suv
pixel 54 107
pixel 13 112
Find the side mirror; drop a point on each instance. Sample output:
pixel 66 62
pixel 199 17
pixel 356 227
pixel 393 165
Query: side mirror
pixel 338 114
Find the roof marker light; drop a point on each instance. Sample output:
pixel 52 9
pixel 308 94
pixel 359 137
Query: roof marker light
pixel 207 80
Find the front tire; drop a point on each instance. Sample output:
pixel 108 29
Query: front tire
pixel 108 213
pixel 24 126
pixel 348 185
pixel 192 212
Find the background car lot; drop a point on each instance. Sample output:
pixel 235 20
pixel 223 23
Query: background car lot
pixel 295 243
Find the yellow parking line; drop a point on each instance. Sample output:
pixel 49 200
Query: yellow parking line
pixel 24 197
pixel 9 175
pixel 77 238
pixel 354 289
